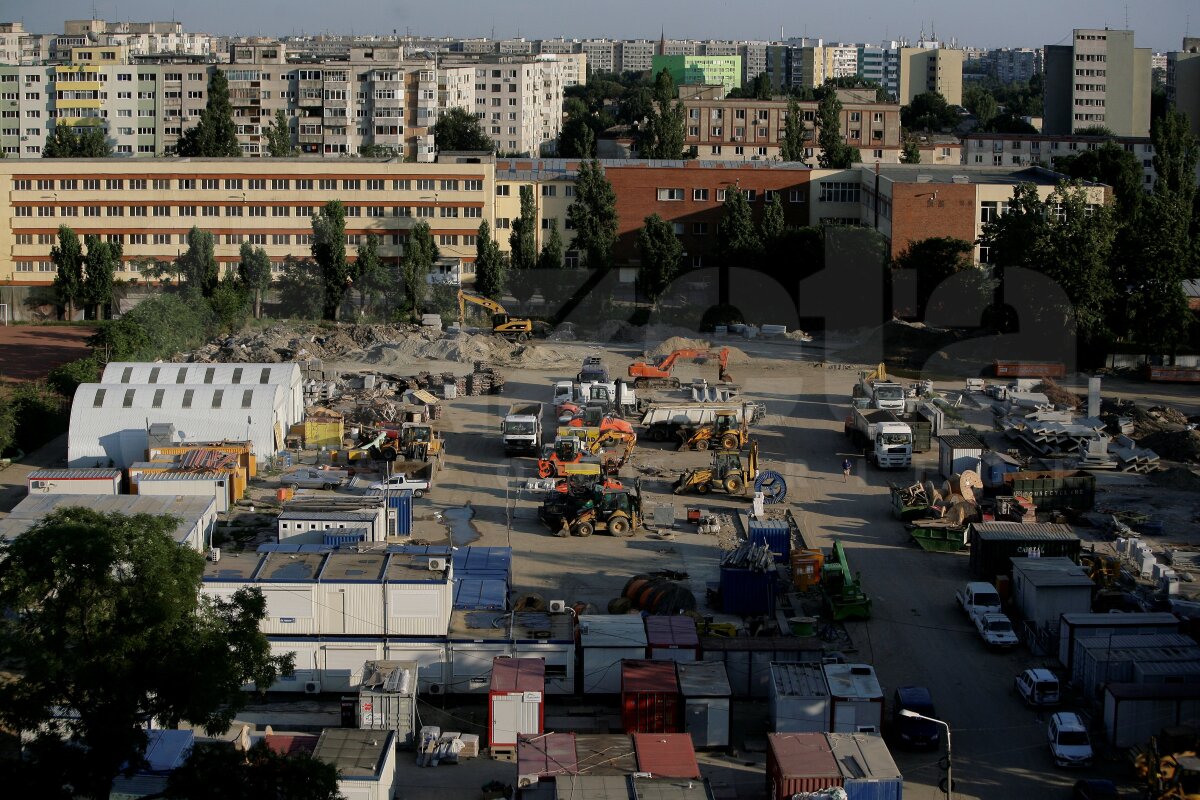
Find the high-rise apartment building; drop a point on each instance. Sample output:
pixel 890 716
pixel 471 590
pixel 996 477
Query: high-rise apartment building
pixel 1183 81
pixel 723 71
pixel 20 47
pixel 1009 64
pixel 929 67
pixel 881 64
pixel 1098 79
pixel 519 101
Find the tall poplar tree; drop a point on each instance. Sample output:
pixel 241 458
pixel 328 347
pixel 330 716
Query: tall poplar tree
pixel 67 257
pixel 329 253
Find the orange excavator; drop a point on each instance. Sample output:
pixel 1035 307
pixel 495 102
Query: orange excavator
pixel 657 374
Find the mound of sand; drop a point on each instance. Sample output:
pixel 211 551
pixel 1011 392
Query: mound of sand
pixel 678 343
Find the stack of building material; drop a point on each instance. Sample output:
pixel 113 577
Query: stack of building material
pixel 1094 454
pixel 484 379
pixel 433 321
pixel 1185 560
pixel 1131 458
pixel 1048 438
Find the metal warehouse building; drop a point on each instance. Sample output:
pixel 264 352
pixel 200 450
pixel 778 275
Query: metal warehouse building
pixel 286 376
pixel 110 422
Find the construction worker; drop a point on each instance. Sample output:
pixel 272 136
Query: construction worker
pixel 847 465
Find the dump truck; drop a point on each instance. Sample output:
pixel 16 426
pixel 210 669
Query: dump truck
pixel 663 421
pixel 876 391
pixel 522 429
pixel 885 441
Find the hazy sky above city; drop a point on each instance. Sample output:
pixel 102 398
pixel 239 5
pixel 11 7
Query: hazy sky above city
pixel 1160 24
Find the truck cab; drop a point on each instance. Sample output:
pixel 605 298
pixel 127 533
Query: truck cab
pixel 979 598
pixel 887 396
pixel 893 445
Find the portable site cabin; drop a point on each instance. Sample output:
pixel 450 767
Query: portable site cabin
pixel 199 484
pixel 365 760
pixel 285 375
pixel 706 712
pixel 855 698
pixel 606 640
pixel 799 699
pixel 1074 627
pixel 957 454
pixel 303 526
pixel 197 515
pixel 110 423
pixel 387 699
pixel 516 701
pixel 74 481
pixel 1044 589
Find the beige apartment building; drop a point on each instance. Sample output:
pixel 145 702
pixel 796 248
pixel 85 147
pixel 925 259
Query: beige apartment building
pixel 1031 149
pixel 1098 79
pixel 931 69
pixel 752 130
pixel 519 100
pixel 149 205
pixel 1183 81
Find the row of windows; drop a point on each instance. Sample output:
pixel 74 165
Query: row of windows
pixel 702 195
pixel 250 184
pixel 445 212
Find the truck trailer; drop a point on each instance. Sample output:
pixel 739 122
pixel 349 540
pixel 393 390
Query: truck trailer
pixel 663 421
pixel 885 440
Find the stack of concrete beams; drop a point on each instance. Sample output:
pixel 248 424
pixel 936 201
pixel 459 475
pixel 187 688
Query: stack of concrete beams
pixel 1131 458
pixel 1047 438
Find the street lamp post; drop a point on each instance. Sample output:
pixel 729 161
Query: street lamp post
pixel 949 757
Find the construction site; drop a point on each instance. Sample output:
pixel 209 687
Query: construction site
pixel 612 507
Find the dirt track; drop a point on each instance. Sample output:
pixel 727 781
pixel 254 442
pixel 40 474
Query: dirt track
pixel 28 352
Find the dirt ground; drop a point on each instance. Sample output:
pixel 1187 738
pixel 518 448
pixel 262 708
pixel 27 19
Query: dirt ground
pixel 28 352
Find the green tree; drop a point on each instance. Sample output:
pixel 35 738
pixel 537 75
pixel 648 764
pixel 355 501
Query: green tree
pixel 760 87
pixel 65 142
pixel 737 236
pixel 329 254
pixel 371 276
pixel 929 111
pixel 279 137
pixel 215 769
pixel 933 261
pixel 835 153
pixel 794 134
pixel 1007 123
pixel 100 266
pixel 910 152
pixel 459 129
pixel 215 135
pixel 593 215
pixel 661 254
pixel 1111 164
pixel 774 223
pixel 420 254
pixel 577 139
pixel 198 265
pixel 660 134
pixel 65 378
pixel 301 289
pixel 981 103
pixel 67 257
pixel 1175 155
pixel 230 304
pixel 1095 130
pixel 254 272
pixel 489 264
pixel 104 618
pixel 551 255
pixel 522 241
pixel 378 151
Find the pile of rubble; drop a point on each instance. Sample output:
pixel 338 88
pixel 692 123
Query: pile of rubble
pixel 1058 395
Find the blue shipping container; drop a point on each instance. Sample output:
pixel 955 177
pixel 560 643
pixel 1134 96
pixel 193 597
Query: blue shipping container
pixel 776 535
pixel 400 505
pixel 874 788
pixel 747 592
pixel 339 539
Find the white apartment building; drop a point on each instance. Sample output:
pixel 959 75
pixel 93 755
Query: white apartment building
pixel 1098 79
pixel 1009 64
pixel 18 46
pixel 519 102
pixel 637 55
pixel 603 55
pixel 1029 149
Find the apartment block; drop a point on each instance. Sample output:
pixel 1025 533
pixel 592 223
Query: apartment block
pixel 930 68
pixel 148 205
pixel 724 71
pixel 1014 64
pixel 519 100
pixel 752 130
pixel 881 64
pixel 19 47
pixel 1183 81
pixel 1098 79
pixel 139 38
pixel 1024 150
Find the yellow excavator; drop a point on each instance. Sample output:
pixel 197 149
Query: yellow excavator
pixel 503 324
pixel 1168 765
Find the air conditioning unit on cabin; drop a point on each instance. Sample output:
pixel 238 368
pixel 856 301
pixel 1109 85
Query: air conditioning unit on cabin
pixel 312 687
pixel 558 606
pixel 437 564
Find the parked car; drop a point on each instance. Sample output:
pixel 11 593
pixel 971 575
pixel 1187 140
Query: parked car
pixel 1038 687
pixel 996 630
pixel 1070 744
pixel 313 479
pixel 418 486
pixel 979 598
pixel 1095 789
pixel 911 731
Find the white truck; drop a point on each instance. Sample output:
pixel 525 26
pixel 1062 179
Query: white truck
pixel 885 440
pixel 314 478
pixel 995 629
pixel 522 429
pixel 663 421
pixel 418 486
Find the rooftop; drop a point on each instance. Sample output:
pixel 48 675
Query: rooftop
pixel 799 680
pixel 1021 531
pixel 852 680
pixel 190 509
pixel 957 173
pixel 73 474
pixel 356 753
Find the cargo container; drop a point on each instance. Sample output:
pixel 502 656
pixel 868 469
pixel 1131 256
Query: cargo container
pixel 747 592
pixel 672 638
pixel 799 763
pixel 550 637
pixel 74 481
pixel 666 755
pixel 776 534
pixel 606 641
pixel 705 691
pixel 650 700
pixel 868 770
pixel 399 512
pixel 922 430
pixel 1028 369
pixel 1054 489
pixel 474 641
pixel 1073 627
pixel 855 698
pixel 387 699
pixel 1100 661
pixel 799 698
pixel 1133 713
pixel 995 544
pixel 343 537
pixel 544 757
pixel 748 659
pixel 516 701
pixel 957 454
pixel 1171 374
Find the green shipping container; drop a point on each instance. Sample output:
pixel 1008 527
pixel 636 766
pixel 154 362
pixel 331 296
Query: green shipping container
pixel 1056 490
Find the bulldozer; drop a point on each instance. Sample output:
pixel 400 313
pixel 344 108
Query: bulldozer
pixel 726 430
pixel 517 329
pixel 618 511
pixel 1168 765
pixel 727 473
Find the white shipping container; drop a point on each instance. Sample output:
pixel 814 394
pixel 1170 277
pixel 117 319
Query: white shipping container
pixel 430 657
pixel 342 663
pixel 419 609
pixel 307 667
pixel 606 641
pixel 355 609
pixel 471 665
pixel 799 699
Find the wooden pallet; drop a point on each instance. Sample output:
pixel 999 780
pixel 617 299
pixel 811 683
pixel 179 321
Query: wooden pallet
pixel 503 753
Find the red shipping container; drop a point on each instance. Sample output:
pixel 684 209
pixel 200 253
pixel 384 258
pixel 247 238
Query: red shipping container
pixel 650 699
pixel 666 755
pixel 672 638
pixel 516 700
pixel 800 762
pixel 1029 369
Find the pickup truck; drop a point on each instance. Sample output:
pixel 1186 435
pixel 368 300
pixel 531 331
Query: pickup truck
pixel 419 486
pixel 314 479
pixel 979 598
pixel 996 629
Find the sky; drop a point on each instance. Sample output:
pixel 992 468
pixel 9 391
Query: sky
pixel 1159 24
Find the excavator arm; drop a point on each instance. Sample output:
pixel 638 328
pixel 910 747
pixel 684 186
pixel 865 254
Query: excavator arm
pixel 722 363
pixel 479 300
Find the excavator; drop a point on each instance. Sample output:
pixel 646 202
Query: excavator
pixel 725 429
pixel 842 590
pixel 582 478
pixel 414 441
pixel 565 450
pixel 657 375
pixel 1169 766
pixel 612 442
pixel 619 511
pixel 513 328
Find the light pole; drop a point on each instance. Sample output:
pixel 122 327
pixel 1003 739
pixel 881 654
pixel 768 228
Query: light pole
pixel 904 712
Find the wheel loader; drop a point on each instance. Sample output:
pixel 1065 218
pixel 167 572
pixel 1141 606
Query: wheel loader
pixel 727 473
pixel 726 431
pixel 618 511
